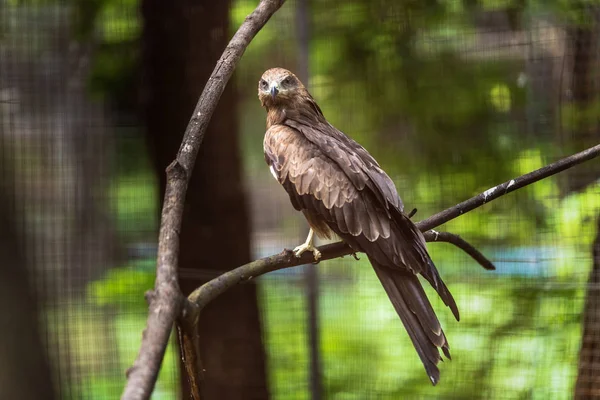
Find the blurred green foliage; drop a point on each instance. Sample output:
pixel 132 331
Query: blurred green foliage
pixel 135 205
pixel 92 339
pixel 114 28
pixel 125 286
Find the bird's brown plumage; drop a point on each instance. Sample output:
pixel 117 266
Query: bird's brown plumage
pixel 340 188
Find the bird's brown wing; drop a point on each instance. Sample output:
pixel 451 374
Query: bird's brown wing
pixel 362 169
pixel 341 194
pixel 366 175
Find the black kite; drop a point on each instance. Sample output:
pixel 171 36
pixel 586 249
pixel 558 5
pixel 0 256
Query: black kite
pixel 340 188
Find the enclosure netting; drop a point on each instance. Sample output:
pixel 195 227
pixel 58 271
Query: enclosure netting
pixel 451 97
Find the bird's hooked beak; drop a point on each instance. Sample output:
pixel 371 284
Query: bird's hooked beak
pixel 274 90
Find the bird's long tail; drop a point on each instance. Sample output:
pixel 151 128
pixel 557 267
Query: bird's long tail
pixel 417 315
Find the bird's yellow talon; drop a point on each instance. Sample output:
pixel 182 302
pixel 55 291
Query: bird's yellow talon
pixel 316 254
pixel 308 246
pixel 298 251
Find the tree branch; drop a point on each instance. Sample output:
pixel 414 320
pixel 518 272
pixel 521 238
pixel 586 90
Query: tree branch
pixel 286 259
pixel 165 301
pixel 507 187
pixel 430 236
pixel 435 236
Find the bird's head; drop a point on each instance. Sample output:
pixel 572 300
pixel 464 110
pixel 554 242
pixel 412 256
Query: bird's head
pixel 278 86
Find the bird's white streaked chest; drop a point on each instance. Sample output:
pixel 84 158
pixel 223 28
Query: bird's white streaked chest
pixel 285 147
pixel 275 143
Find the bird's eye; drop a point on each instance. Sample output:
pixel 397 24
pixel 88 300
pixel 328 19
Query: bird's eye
pixel 263 84
pixel 287 81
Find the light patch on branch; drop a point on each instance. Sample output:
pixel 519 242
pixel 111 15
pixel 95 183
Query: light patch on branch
pixel 489 192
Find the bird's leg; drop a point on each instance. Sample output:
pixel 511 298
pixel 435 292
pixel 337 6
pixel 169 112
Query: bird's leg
pixel 308 246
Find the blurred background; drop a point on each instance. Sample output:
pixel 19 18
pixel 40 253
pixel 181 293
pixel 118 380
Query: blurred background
pixel 451 96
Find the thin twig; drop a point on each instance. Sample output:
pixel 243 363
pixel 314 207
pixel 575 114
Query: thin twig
pixel 507 187
pixel 165 300
pixel 435 236
pixel 205 293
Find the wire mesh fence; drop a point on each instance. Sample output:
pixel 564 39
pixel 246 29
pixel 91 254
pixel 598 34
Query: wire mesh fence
pixel 451 97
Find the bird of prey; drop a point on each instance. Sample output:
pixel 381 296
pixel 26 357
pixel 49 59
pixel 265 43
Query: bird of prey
pixel 341 189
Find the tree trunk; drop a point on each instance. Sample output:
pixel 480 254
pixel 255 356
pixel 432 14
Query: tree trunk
pixel 584 88
pixel 588 379
pixel 182 41
pixel 24 369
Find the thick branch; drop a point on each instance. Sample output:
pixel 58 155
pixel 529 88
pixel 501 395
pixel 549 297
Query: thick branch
pixel 286 259
pixel 430 236
pixel 204 294
pixel 165 300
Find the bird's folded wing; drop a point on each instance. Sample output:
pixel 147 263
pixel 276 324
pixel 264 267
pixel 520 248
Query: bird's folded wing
pixel 361 168
pixel 317 184
pixel 324 179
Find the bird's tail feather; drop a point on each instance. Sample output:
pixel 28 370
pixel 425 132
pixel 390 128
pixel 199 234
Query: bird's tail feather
pixel 417 315
pixel 418 253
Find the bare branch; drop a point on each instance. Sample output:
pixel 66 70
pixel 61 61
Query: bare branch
pixel 435 236
pixel 286 259
pixel 165 301
pixel 507 187
pixel 204 294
